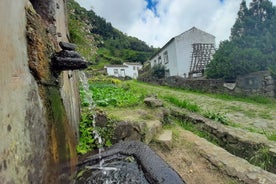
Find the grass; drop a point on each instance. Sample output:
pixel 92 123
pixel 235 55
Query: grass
pixel 192 128
pixel 226 97
pixel 270 135
pixel 262 158
pixel 219 117
pixel 182 103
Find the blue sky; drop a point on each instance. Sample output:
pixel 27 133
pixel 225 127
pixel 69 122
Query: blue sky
pixel 151 4
pixel 157 21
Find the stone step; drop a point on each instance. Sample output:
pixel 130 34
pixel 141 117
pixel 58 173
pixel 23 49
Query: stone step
pixel 165 139
pixel 240 142
pixel 153 127
pixel 230 164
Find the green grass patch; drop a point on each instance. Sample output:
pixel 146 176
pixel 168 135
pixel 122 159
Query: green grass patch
pixel 262 158
pixel 192 128
pixel 182 103
pixel 270 135
pixel 219 117
pixel 112 95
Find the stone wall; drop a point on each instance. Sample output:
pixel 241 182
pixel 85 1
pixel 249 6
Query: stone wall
pixel 258 83
pixel 39 108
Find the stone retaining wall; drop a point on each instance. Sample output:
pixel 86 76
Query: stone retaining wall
pixel 239 142
pixel 258 83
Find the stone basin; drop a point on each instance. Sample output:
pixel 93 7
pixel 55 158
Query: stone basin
pixel 149 166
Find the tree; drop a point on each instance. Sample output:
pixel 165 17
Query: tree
pixel 252 44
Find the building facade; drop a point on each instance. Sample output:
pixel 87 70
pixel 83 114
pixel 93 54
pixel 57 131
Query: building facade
pixel 187 54
pixel 124 70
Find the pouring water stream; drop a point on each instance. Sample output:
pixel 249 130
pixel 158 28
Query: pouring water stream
pixel 91 107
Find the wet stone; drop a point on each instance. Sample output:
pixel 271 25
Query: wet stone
pixel 67 46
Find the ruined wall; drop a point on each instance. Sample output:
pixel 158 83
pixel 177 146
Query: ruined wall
pixel 39 108
pixel 257 83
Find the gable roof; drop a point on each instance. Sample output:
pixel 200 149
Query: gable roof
pixel 133 63
pixel 192 30
pixel 171 40
pixel 115 66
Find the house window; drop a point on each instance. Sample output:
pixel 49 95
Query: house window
pixel 122 72
pixel 159 60
pixel 115 72
pixel 155 62
pixel 166 57
pixel 134 68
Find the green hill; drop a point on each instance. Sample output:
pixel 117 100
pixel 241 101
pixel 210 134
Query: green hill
pixel 100 42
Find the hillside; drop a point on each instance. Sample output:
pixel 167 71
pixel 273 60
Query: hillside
pixel 100 42
pixel 214 138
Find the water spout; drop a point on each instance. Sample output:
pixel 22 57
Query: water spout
pixel 68 59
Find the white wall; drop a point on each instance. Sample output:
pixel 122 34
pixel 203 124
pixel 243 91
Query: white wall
pixel 184 48
pixel 110 71
pixel 170 48
pixel 130 70
pixel 180 51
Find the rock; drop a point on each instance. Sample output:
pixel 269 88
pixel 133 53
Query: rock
pixel 67 46
pixel 68 53
pixel 52 29
pixel 165 139
pixel 126 131
pixel 152 128
pixel 153 102
pixel 62 64
pixel 101 118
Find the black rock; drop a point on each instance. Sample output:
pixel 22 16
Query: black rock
pixel 67 46
pixel 62 64
pixel 68 53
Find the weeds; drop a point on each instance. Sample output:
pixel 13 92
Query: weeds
pixel 219 117
pixel 262 158
pixel 87 140
pixel 270 135
pixel 182 103
pixel 192 128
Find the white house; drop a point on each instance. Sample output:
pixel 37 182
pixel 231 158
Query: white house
pixel 124 70
pixel 187 54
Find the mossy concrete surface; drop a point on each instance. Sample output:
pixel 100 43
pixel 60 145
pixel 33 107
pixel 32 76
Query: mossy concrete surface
pixel 38 136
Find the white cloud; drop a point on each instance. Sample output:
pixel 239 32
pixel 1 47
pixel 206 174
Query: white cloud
pixel 173 17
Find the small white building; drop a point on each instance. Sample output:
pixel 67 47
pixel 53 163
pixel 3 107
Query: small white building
pixel 124 70
pixel 187 54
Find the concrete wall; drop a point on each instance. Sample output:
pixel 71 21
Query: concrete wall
pixel 39 110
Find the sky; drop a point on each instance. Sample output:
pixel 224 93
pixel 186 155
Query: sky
pixel 157 21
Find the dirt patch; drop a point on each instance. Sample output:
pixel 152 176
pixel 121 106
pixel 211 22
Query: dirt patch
pixel 187 161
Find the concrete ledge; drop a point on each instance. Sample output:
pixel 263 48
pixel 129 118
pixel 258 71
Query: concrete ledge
pixel 230 164
pixel 165 139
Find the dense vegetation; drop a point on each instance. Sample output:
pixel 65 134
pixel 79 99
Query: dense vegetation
pixel 106 93
pixel 252 44
pixel 100 42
